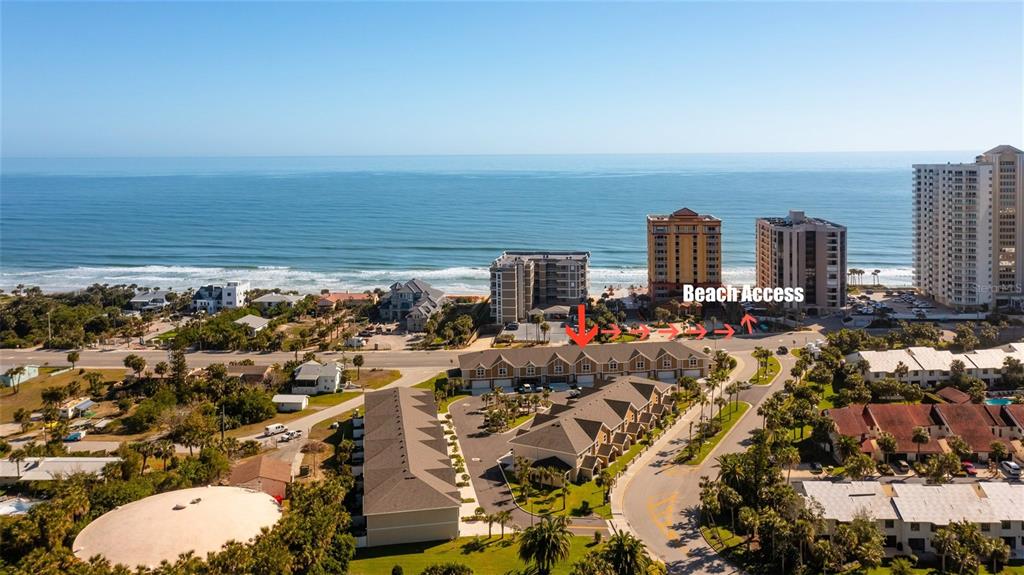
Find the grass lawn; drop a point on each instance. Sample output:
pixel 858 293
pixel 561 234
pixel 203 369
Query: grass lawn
pixel 827 393
pixel 766 376
pixel 29 395
pixel 329 399
pixel 432 384
pixel 732 415
pixel 484 556
pixel 550 500
pixel 372 378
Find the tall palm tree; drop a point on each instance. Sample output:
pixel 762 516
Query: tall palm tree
pixel 546 543
pixel 876 274
pixel 626 554
pixel 920 436
pixel 503 518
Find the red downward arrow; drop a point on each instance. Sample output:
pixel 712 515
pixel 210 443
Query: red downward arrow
pixel 748 322
pixel 700 331
pixel 727 332
pixel 583 336
pixel 614 331
pixel 672 330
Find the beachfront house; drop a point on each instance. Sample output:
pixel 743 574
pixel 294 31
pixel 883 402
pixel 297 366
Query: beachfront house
pixel 153 300
pixel 273 300
pixel 329 302
pixel 411 304
pixel 312 378
pixel 253 323
pixel 213 298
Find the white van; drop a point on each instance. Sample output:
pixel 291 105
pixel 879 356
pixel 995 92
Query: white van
pixel 274 429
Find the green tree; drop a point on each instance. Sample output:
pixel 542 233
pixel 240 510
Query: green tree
pixel 626 554
pixel 546 543
pixel 920 436
pixel 450 568
pixel 73 357
pixel 135 363
pixel 357 361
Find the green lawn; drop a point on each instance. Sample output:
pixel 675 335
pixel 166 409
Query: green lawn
pixel 826 397
pixel 329 399
pixel 766 376
pixel 484 556
pixel 29 395
pixel 432 384
pixel 316 403
pixel 732 414
pixel 372 378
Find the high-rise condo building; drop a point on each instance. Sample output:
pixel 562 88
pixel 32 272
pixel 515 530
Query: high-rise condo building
pixel 683 247
pixel 967 232
pixel 801 252
pixel 522 282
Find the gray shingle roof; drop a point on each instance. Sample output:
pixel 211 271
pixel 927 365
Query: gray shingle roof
pixel 406 466
pixel 620 352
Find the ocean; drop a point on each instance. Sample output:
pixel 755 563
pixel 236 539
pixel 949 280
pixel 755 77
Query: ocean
pixel 353 223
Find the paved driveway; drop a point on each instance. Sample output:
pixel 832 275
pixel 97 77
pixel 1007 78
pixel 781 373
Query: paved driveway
pixel 482 451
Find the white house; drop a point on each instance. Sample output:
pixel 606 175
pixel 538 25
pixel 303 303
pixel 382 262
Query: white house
pixel 286 403
pixel 153 300
pixel 255 323
pixel 271 300
pixel 928 367
pixel 313 378
pixel 75 407
pixel 211 298
pixel 27 373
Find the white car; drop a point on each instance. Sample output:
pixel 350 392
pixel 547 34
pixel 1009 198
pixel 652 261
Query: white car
pixel 1010 468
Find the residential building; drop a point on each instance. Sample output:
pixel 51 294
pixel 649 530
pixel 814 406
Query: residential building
pixel 525 283
pixel 909 514
pixel 153 300
pixel 50 468
pixel 273 300
pixel 250 374
pixel 509 368
pixel 929 367
pixel 253 323
pixel 683 247
pixel 312 378
pixel 75 407
pixel 263 473
pixel 290 403
pixel 586 435
pixel 16 377
pixel 213 298
pixel 803 252
pixel 409 491
pixel 979 425
pixel 968 231
pixel 411 304
pixel 330 301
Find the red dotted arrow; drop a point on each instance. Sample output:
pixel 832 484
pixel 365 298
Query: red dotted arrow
pixel 727 332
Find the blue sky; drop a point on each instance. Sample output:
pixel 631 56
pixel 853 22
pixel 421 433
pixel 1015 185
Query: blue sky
pixel 196 79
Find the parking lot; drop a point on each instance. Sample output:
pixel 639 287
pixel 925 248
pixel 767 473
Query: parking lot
pixel 530 332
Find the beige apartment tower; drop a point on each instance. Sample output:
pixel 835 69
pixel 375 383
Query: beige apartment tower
pixel 683 247
pixel 525 282
pixel 802 252
pixel 968 232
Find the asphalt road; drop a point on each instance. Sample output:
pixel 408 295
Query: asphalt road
pixel 659 499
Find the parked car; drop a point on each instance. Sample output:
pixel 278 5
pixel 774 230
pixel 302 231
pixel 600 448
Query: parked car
pixel 574 393
pixel 75 436
pixel 526 388
pixel 816 468
pixel 901 466
pixel 746 385
pixel 512 326
pixel 1010 468
pixel 783 350
pixel 968 468
pixel 274 429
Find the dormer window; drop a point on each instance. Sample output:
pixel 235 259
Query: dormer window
pixel 480 372
pixel 640 364
pixel 613 365
pixel 666 363
pixel 585 367
pixel 530 370
pixel 502 371
pixel 558 368
pixel 693 362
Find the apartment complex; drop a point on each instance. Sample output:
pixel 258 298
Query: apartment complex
pixel 683 247
pixel 508 368
pixel 967 230
pixel 409 491
pixel 909 514
pixel 802 252
pixel 586 435
pixel 929 367
pixel 527 283
pixel 979 425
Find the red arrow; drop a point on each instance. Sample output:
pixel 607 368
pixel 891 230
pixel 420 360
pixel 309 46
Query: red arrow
pixel 700 331
pixel 672 330
pixel 614 331
pixel 583 336
pixel 727 332
pixel 643 332
pixel 748 322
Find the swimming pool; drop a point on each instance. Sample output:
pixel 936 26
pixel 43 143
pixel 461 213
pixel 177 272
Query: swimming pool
pixel 999 401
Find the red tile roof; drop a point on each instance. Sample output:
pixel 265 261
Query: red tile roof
pixel 850 420
pixel 335 297
pixel 900 420
pixel 971 422
pixel 953 395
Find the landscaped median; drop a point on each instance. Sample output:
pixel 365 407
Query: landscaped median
pixel 729 416
pixel 767 371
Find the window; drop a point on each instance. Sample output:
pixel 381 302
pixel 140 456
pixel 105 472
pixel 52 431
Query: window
pixel 585 367
pixel 693 362
pixel 613 366
pixel 558 368
pixel 502 371
pixel 889 524
pixel 640 364
pixel 530 370
pixel 986 527
pixel 666 363
pixel 480 372
pixel 915 526
pixel 1006 525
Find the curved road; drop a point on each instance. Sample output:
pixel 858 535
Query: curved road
pixel 657 500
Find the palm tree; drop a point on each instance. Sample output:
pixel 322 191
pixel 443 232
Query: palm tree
pixel 546 543
pixel 545 328
pixel 16 457
pixel 626 554
pixel 314 447
pixel 920 436
pixel 73 357
pixel 503 518
pixel 491 519
pixel 788 457
pixel 357 361
pixel 846 446
pixel 15 374
pixel 875 274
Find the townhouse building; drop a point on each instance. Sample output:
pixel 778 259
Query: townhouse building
pixel 586 435
pixel 929 367
pixel 509 368
pixel 909 514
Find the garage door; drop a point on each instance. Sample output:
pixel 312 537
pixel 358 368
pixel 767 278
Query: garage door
pixel 503 383
pixel 585 380
pixel 667 376
pixel 691 372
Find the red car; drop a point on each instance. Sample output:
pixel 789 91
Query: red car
pixel 968 468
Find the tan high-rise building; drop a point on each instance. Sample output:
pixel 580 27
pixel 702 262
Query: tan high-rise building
pixel 683 247
pixel 968 230
pixel 801 252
